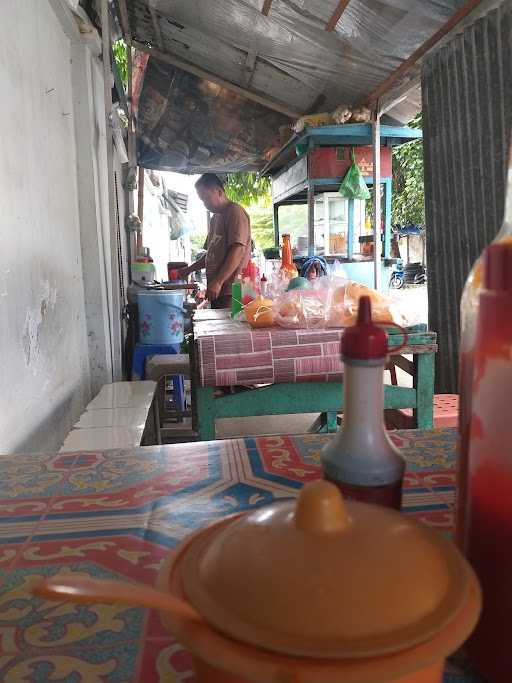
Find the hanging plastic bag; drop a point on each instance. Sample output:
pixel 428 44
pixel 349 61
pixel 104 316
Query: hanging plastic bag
pixel 344 303
pixel 353 185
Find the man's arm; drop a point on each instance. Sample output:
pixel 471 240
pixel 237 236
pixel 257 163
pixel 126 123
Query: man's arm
pixel 230 265
pixel 193 267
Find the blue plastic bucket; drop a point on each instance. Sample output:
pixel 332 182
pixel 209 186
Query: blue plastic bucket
pixel 161 317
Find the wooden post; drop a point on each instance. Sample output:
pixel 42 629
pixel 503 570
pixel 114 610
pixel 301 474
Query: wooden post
pixel 350 235
pixel 140 209
pixel 140 201
pixel 113 286
pixel 311 219
pixel 377 245
pixel 327 224
pixel 423 382
pixel 132 154
pixel 387 217
pixel 276 224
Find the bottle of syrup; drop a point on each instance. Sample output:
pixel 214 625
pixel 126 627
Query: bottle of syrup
pixel 288 268
pixel 488 521
pixel 361 459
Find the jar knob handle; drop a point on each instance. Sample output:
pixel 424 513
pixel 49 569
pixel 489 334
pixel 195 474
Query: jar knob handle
pixel 321 508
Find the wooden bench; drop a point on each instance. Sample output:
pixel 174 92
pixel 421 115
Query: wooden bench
pixel 122 415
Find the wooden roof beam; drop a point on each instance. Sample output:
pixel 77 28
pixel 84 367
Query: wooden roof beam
pixel 267 4
pixel 336 15
pixel 461 13
pixel 125 22
pixel 156 26
pixel 252 55
pixel 207 75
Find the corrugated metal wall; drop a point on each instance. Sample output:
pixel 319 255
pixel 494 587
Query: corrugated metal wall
pixel 467 116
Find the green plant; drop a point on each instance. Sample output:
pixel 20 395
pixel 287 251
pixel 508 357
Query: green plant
pixel 408 188
pixel 248 189
pixel 120 52
pixel 262 226
pixel 271 253
pixel 197 240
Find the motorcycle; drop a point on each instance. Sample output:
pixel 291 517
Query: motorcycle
pixel 396 280
pixel 410 274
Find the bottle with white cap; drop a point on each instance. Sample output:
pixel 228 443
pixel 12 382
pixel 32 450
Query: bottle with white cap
pixel 361 459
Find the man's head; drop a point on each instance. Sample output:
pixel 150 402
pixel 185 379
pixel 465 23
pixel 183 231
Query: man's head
pixel 210 190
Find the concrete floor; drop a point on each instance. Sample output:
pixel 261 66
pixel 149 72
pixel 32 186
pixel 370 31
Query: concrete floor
pixel 231 428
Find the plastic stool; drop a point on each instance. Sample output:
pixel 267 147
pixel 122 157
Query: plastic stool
pixel 446 413
pixel 446 410
pixel 142 351
pixel 178 392
pixel 176 365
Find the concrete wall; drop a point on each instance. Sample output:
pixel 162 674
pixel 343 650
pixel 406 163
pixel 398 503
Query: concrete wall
pixel 52 226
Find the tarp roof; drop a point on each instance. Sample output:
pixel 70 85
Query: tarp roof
pixel 292 56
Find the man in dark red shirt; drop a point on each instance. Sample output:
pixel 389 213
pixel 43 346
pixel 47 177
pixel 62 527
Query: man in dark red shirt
pixel 228 245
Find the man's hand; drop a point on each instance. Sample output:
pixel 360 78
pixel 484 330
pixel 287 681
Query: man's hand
pixel 183 273
pixel 213 290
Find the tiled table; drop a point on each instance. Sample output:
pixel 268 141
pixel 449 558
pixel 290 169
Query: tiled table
pixel 295 371
pixel 118 513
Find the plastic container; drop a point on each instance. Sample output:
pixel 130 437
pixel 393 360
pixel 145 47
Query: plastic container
pixel 299 283
pixel 161 317
pixel 488 530
pixel 320 590
pixel 173 267
pixel 469 313
pixel 143 272
pixel 361 459
pixel 250 283
pixel 236 297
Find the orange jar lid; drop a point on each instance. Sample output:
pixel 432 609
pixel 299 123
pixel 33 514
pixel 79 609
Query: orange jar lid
pixel 323 577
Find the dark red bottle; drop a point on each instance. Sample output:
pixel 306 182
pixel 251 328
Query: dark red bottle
pixel 488 518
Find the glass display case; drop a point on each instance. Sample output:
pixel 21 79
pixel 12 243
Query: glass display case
pixel 306 176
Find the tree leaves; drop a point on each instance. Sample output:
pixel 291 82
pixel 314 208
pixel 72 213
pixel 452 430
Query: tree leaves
pixel 121 58
pixel 408 188
pixel 248 188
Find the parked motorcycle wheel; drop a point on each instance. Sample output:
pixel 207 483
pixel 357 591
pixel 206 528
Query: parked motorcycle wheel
pixel 396 282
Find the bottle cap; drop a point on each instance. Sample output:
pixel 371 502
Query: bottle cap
pixel 498 267
pixel 364 340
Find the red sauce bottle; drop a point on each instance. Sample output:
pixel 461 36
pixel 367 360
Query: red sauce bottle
pixel 361 459
pixel 488 519
pixel 469 314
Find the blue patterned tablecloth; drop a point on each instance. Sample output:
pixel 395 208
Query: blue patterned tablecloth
pixel 118 513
